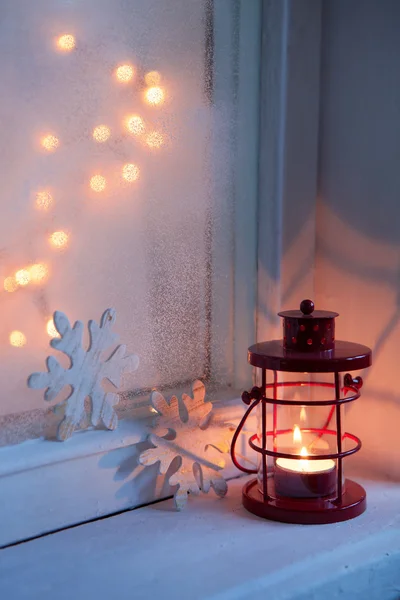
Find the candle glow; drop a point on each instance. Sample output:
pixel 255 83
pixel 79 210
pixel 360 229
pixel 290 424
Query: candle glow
pixel 50 142
pixel 98 183
pixel 124 73
pixel 154 96
pixel 43 200
pixel 66 42
pixel 17 339
pixel 59 239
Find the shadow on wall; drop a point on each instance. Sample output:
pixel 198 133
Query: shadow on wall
pixel 359 276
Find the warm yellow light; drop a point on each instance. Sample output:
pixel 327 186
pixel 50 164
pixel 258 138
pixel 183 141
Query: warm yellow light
pixel 303 414
pixel 59 239
pixel 304 464
pixel 98 183
pixel 124 73
pixel 22 277
pixel 51 329
pixel 130 172
pixel 101 133
pixel 17 339
pixel 10 285
pixel 44 200
pixel 152 78
pixel 135 125
pixel 66 42
pixel 38 272
pixel 50 143
pixel 154 139
pixel 297 435
pixel 154 96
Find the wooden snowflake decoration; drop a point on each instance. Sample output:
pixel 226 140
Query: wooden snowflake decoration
pixel 190 435
pixel 85 375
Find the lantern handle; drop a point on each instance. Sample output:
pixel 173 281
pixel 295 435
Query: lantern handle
pixel 236 435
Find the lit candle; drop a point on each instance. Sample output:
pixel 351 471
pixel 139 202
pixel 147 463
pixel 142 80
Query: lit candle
pixel 304 478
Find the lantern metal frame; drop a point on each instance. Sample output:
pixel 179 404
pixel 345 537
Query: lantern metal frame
pixel 350 499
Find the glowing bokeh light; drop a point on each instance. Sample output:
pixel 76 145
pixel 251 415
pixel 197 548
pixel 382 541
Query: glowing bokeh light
pixel 51 329
pixel 154 96
pixel 152 78
pixel 135 125
pixel 59 239
pixel 66 42
pixel 38 272
pixel 154 139
pixel 22 277
pixel 98 183
pixel 10 285
pixel 17 339
pixel 101 133
pixel 130 172
pixel 124 73
pixel 50 143
pixel 44 200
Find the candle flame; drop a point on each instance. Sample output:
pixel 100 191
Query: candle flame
pixel 303 414
pixel 303 463
pixel 297 439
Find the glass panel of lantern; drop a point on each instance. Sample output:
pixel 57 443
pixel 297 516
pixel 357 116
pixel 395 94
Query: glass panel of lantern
pixel 301 429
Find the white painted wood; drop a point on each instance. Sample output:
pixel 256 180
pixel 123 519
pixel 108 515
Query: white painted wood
pixel 191 436
pixel 246 173
pixel 45 486
pixel 213 550
pixel 233 223
pixel 288 158
pixel 86 372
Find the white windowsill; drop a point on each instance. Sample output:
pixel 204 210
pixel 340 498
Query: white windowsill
pixel 214 550
pixel 47 485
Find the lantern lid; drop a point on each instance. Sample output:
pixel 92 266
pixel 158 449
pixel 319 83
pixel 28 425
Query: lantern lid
pixel 307 312
pixel 346 356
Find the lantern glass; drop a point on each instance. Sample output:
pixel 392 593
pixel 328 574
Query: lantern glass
pixel 301 432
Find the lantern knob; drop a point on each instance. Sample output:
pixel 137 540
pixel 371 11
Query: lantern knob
pixel 307 307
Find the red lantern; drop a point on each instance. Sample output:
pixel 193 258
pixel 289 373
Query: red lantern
pixel 301 441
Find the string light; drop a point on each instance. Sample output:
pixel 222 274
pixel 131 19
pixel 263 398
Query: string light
pixel 130 172
pixel 66 42
pixel 51 329
pixel 17 339
pixel 152 78
pixel 135 125
pixel 50 143
pixel 101 133
pixel 59 239
pixel 98 183
pixel 10 285
pixel 154 139
pixel 124 73
pixel 154 96
pixel 38 272
pixel 44 200
pixel 22 277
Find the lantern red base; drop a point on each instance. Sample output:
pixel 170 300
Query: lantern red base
pixel 306 511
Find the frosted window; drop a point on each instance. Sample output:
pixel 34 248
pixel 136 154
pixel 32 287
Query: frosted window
pixel 109 153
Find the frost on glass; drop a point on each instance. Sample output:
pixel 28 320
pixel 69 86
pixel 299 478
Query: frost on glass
pixel 106 183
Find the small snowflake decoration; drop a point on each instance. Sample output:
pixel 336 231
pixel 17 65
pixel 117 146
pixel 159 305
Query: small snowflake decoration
pixel 197 444
pixel 86 373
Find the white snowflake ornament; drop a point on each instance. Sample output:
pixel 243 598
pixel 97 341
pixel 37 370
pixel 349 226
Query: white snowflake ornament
pixel 196 442
pixel 86 373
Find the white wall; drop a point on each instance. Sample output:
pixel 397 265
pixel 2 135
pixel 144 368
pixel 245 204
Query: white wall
pixel 358 219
